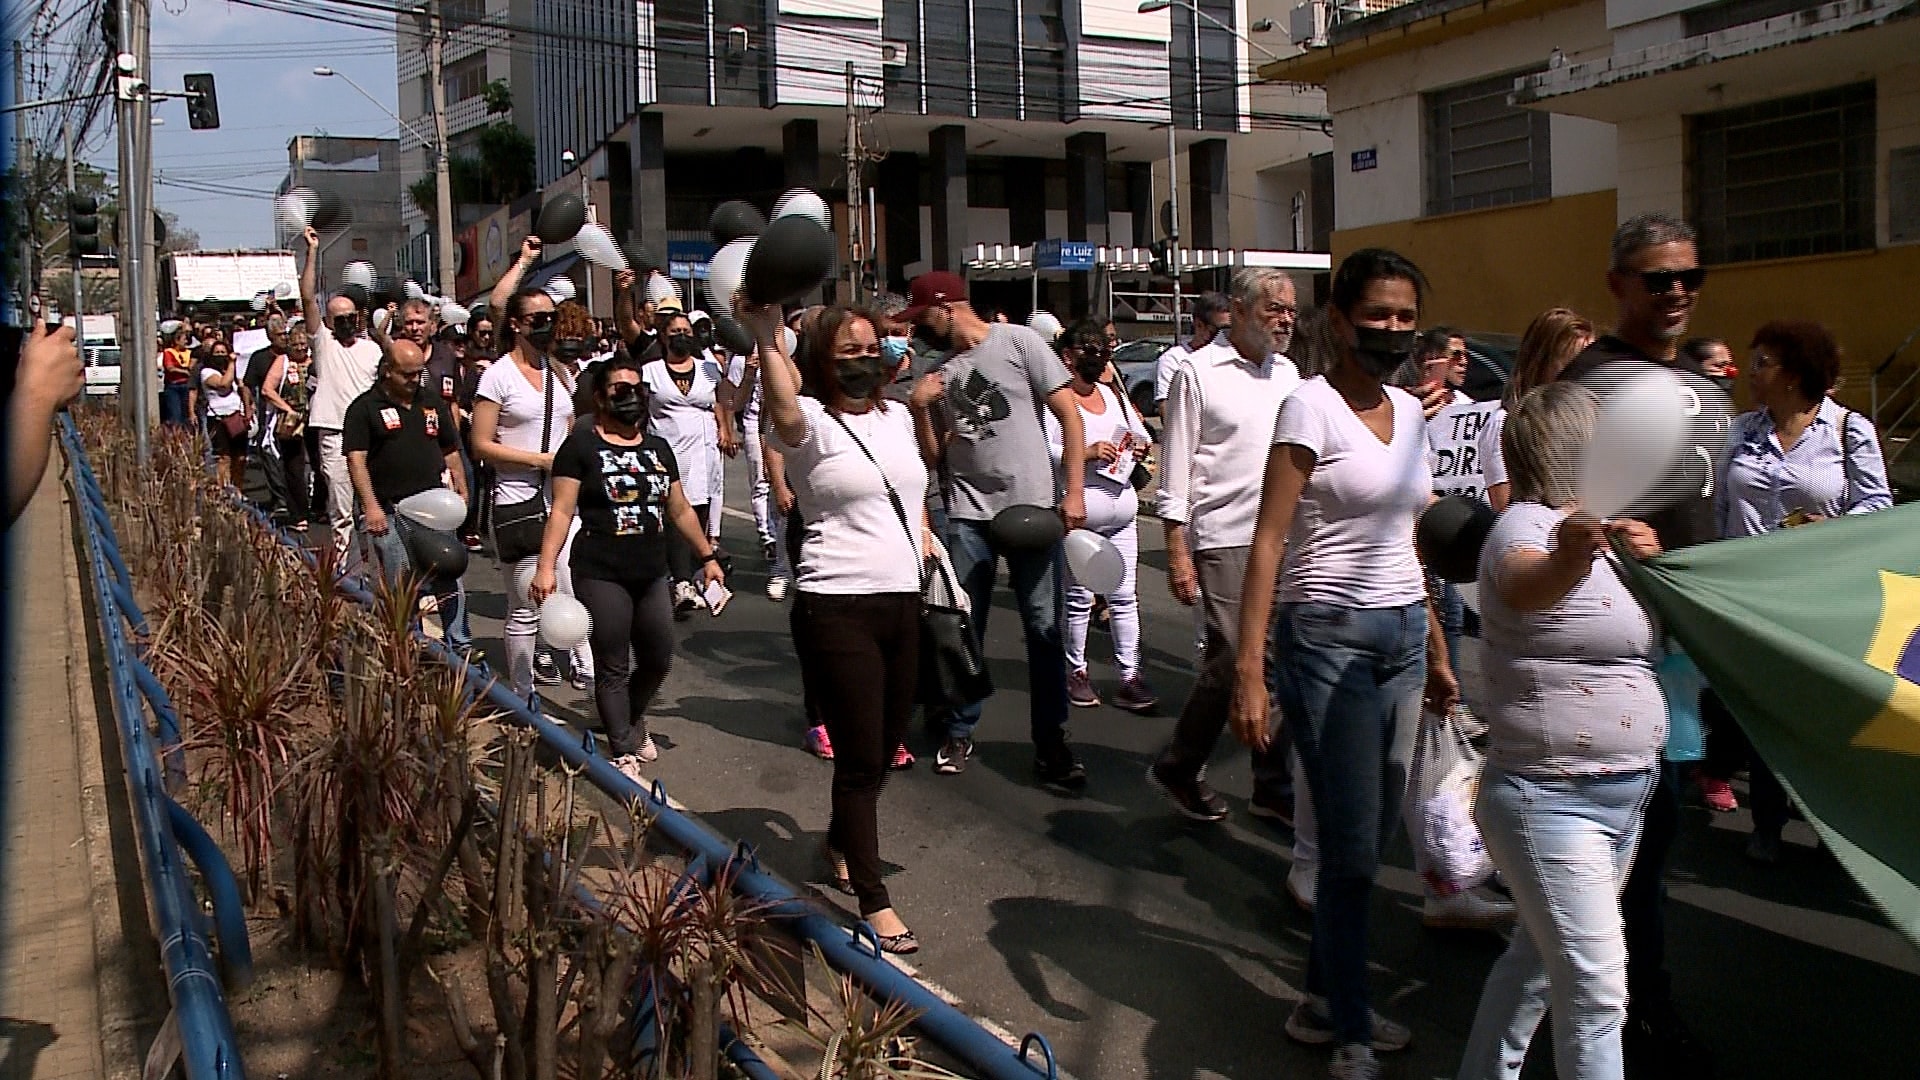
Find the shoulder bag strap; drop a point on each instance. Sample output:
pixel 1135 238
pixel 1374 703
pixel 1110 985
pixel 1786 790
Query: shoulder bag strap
pixel 546 420
pixel 899 508
pixel 1846 461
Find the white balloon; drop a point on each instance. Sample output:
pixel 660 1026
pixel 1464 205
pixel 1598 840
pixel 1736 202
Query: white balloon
pixel 380 319
pixel 523 572
pixel 291 212
pixel 561 289
pixel 598 246
pixel 260 301
pixel 454 315
pixel 1636 438
pixel 789 341
pixel 1094 562
pixel 358 273
pixel 1045 323
pixel 284 289
pixel 413 290
pixel 436 508
pixel 662 292
pixel 564 621
pixel 724 273
pixel 804 203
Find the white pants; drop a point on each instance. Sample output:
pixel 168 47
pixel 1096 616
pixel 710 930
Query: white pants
pixel 1112 516
pixel 523 623
pixel 760 484
pixel 333 466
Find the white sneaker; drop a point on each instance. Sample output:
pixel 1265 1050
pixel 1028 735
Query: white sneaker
pixel 629 766
pixel 1303 881
pixel 1466 910
pixel 1310 1023
pixel 777 585
pixel 1354 1062
pixel 648 752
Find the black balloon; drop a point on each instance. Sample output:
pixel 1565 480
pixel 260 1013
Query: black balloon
pixel 560 218
pixel 329 212
pixel 1025 528
pixel 734 219
pixel 1450 534
pixel 732 334
pixel 356 293
pixel 789 261
pixel 434 552
pixel 643 257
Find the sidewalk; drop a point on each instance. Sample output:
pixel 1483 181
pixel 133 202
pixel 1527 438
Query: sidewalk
pixel 49 980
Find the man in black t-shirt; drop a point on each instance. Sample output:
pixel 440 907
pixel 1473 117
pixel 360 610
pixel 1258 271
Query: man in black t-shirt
pixel 1655 280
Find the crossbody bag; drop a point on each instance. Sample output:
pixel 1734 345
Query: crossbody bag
pixel 953 669
pixel 519 527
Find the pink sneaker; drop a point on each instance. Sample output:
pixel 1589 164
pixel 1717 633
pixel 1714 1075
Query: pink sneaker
pixel 818 744
pixel 902 757
pixel 1716 793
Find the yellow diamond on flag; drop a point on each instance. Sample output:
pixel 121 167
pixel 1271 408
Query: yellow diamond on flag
pixel 1896 651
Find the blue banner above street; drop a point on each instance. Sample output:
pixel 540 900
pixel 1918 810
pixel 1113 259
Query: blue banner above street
pixel 1063 255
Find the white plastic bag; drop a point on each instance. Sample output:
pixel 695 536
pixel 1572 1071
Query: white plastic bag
pixel 1441 786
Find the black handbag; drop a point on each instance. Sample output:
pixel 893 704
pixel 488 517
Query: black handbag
pixel 519 528
pixel 953 669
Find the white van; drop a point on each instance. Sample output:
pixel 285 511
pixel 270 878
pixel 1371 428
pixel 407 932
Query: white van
pixel 100 351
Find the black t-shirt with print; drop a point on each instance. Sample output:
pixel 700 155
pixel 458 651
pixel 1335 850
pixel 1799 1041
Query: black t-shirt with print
pixel 622 506
pixel 406 445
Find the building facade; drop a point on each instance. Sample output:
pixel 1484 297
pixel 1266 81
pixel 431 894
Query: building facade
pixel 1498 143
pixel 365 173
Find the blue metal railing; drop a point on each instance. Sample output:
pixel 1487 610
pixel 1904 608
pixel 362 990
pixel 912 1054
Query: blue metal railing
pixel 169 838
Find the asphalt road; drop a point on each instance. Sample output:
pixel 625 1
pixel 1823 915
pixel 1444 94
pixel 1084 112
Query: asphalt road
pixel 1143 945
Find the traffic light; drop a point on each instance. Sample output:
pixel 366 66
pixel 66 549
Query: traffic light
pixel 83 224
pixel 203 106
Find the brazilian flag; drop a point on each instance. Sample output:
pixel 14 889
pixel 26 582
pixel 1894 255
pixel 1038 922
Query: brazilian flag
pixel 1812 637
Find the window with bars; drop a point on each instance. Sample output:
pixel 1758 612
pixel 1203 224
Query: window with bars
pixel 466 78
pixel 1793 176
pixel 1482 151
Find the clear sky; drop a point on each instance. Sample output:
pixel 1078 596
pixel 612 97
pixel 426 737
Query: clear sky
pixel 263 62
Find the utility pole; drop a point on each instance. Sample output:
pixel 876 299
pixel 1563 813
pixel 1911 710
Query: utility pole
pixel 30 169
pixel 137 281
pixel 856 219
pixel 73 255
pixel 1173 222
pixel 442 173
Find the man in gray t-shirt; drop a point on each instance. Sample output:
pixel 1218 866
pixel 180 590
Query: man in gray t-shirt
pixel 978 421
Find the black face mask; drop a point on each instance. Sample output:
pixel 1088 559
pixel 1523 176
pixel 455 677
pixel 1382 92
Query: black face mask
pixel 862 375
pixel 569 349
pixel 346 328
pixel 1379 351
pixel 625 404
pixel 682 344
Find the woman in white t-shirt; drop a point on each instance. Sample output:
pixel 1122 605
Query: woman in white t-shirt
pixel 224 398
pixel 1553 339
pixel 1116 441
pixel 682 403
pixel 1345 481
pixel 859 483
pixel 522 411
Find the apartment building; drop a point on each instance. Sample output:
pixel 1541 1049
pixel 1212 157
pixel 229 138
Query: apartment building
pixel 365 174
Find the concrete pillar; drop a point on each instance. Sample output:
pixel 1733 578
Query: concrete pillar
pixel 1207 181
pixel 800 153
pixel 1140 201
pixel 897 185
pixel 947 149
pixel 1087 187
pixel 647 157
pixel 619 188
pixel 1026 203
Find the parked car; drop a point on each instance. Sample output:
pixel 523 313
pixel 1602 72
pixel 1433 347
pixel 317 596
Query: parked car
pixel 1138 363
pixel 103 370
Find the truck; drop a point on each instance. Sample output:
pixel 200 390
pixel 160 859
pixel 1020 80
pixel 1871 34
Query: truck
pixel 210 281
pixel 98 339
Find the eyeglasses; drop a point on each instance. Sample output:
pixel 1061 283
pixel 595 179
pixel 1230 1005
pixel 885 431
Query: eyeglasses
pixel 1659 282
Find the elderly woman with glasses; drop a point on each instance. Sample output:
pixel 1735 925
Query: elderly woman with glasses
pixel 1576 723
pixel 1116 440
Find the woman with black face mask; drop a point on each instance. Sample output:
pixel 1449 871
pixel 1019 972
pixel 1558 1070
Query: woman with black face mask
pixel 622 484
pixel 1116 441
pixel 1358 648
pixel 682 408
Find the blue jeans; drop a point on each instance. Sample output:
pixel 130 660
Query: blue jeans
pixel 1349 682
pixel 1036 579
pixel 173 404
pixel 1565 845
pixel 390 550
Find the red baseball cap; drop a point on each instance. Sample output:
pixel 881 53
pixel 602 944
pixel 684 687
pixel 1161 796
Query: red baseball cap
pixel 933 287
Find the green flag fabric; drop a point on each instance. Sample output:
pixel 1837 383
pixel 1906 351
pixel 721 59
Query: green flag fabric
pixel 1809 636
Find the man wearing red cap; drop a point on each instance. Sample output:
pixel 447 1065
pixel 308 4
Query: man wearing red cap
pixel 979 416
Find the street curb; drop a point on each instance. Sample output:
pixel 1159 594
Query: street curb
pixel 118 998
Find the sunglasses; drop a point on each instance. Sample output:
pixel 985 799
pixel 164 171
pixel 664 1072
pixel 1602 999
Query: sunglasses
pixel 540 320
pixel 1659 282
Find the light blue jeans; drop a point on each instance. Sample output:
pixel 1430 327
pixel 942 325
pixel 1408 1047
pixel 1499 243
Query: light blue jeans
pixel 1564 845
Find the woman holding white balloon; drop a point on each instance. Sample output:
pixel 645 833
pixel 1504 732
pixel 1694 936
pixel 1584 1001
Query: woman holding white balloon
pixel 1117 440
pixel 685 408
pixel 617 485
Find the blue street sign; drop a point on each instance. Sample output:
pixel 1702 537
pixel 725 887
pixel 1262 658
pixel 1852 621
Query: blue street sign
pixel 1063 255
pixel 688 259
pixel 1366 159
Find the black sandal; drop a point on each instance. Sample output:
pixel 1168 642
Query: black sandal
pixel 900 944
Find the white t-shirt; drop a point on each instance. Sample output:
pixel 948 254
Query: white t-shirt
pixel 1493 464
pixel 1164 370
pixel 341 373
pixel 221 402
pixel 520 425
pixel 855 543
pixel 1110 426
pixel 1352 538
pixel 686 421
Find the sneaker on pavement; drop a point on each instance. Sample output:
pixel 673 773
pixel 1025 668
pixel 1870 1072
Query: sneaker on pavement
pixel 818 744
pixel 582 681
pixel 1274 806
pixel 1080 690
pixel 1312 1024
pixel 1303 882
pixel 1192 797
pixel 777 585
pixel 1716 793
pixel 648 751
pixel 1135 695
pixel 1353 1062
pixel 1465 910
pixel 952 758
pixel 902 758
pixel 471 540
pixel 685 599
pixel 629 766
pixel 1056 766
pixel 546 672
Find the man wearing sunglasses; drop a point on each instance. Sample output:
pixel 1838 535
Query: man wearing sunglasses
pixel 1655 280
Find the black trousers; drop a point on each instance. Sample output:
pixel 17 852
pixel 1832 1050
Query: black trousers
pixel 632 642
pixel 865 654
pixel 680 553
pixel 1649 986
pixel 290 478
pixel 1728 750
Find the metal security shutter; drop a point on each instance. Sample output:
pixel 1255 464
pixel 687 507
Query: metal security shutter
pixel 1783 178
pixel 1482 151
pixel 1903 194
